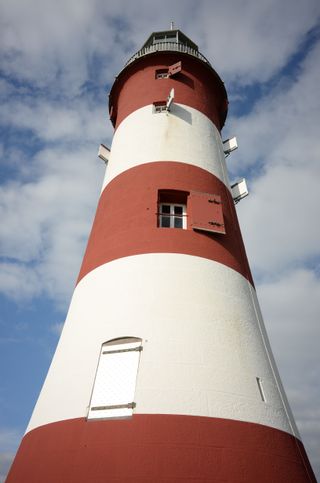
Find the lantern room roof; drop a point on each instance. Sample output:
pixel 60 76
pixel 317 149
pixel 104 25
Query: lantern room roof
pixel 170 36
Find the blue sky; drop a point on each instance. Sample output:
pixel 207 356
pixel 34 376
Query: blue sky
pixel 58 60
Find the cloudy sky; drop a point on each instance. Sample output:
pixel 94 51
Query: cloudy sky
pixel 58 60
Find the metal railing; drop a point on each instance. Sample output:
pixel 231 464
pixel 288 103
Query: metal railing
pixel 167 46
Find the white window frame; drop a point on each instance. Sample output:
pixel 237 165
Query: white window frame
pixel 162 75
pixel 160 108
pixel 172 215
pixel 115 380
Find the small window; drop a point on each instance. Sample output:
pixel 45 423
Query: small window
pixel 172 209
pixel 115 382
pixel 172 216
pixel 170 71
pixel 162 74
pixel 158 108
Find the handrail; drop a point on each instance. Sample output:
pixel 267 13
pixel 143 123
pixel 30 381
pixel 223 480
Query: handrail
pixel 165 46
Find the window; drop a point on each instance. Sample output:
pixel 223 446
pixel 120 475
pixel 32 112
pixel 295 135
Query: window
pixel 115 382
pixel 168 37
pixel 170 71
pixel 172 216
pixel 162 74
pixel 172 209
pixel 160 107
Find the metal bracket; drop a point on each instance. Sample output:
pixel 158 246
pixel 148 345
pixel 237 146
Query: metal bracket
pixel 131 405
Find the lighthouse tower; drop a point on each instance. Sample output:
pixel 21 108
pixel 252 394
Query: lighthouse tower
pixel 164 372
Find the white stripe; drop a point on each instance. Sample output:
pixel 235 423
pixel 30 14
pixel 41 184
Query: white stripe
pixel 204 344
pixel 183 135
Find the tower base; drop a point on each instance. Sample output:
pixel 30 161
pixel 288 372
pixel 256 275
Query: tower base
pixel 159 448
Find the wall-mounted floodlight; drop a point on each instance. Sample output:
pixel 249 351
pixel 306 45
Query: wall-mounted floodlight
pixel 170 99
pixel 239 190
pixel 104 153
pixel 230 145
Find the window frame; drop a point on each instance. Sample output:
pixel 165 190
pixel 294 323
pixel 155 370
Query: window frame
pixel 172 215
pixel 160 108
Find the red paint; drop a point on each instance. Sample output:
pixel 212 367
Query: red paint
pixel 206 212
pixel 197 86
pixel 126 219
pixel 160 449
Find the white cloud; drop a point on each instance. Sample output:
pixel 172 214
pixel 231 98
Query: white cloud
pixel 291 306
pixel 46 42
pixel 5 463
pixel 9 439
pixel 46 223
pixel 255 39
pixel 280 218
pixel 51 121
pixel 282 127
pixel 19 282
pixel 55 43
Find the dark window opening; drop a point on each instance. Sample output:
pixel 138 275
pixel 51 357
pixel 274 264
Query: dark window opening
pixel 160 107
pixel 162 74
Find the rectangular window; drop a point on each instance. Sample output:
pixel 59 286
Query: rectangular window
pixel 170 71
pixel 172 215
pixel 162 74
pixel 157 108
pixel 115 382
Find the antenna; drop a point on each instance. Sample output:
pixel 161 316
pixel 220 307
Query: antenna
pixel 239 190
pixel 229 145
pixel 104 153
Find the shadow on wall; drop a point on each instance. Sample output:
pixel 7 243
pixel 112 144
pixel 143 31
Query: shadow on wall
pixel 182 113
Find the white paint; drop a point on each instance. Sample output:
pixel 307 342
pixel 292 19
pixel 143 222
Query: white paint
pixel 204 343
pixel 182 135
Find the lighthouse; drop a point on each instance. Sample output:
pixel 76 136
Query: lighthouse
pixel 164 372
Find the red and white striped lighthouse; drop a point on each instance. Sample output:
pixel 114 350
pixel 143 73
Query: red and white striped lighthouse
pixel 164 372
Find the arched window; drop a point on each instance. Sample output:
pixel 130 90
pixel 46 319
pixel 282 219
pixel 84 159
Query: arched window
pixel 115 381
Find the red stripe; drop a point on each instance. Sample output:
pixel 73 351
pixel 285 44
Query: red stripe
pixel 126 219
pixel 160 449
pixel 197 86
